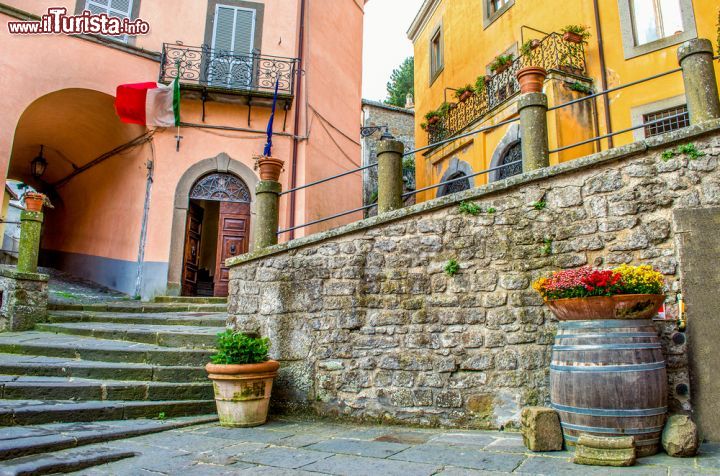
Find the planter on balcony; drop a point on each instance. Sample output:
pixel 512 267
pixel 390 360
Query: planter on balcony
pixel 571 37
pixel 531 79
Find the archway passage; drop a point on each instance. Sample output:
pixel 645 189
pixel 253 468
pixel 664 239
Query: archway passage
pixel 217 228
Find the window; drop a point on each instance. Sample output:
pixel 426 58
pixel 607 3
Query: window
pixel 513 159
pixel 656 19
pixel 669 120
pixel 113 8
pixel 436 54
pixel 650 25
pixel 457 186
pixel 494 9
pixel 233 43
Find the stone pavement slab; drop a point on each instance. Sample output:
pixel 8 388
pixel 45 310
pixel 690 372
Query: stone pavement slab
pixel 346 465
pixel 463 456
pixel 375 449
pixel 291 458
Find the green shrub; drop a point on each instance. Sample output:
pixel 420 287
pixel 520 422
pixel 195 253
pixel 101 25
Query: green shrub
pixel 580 87
pixel 491 210
pixel 452 267
pixel 539 205
pixel 470 208
pixel 688 150
pixel 480 85
pixel 501 61
pixel 239 348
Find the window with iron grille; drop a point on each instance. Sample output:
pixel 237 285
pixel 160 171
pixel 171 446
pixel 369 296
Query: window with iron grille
pixel 512 159
pixel 457 186
pixel 674 118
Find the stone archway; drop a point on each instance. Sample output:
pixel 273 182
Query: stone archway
pixel 505 149
pixel 222 163
pixel 456 169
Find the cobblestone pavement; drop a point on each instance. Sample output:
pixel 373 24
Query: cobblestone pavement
pixel 304 448
pixel 65 288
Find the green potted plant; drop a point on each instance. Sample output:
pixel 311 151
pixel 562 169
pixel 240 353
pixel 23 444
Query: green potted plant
pixel 625 292
pixel 432 117
pixel 501 63
pixel 575 34
pixel 530 77
pixel 242 376
pixel 480 84
pixel 464 93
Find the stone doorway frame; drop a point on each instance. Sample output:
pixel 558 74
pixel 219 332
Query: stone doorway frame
pixel 221 163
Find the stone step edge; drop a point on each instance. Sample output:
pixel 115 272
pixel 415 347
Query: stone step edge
pixel 61 369
pixel 40 445
pixel 137 318
pixel 190 299
pixel 63 461
pixel 90 411
pixel 150 308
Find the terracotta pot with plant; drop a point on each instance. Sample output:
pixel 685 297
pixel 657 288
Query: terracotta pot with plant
pixel 625 292
pixel 432 117
pixel 270 168
pixel 464 93
pixel 34 201
pixel 242 376
pixel 531 79
pixel 501 63
pixel 575 34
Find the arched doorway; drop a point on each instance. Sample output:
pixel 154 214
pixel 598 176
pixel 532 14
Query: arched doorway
pixel 511 162
pixel 217 228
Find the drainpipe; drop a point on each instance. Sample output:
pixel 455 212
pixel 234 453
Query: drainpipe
pixel 144 224
pixel 296 140
pixel 603 72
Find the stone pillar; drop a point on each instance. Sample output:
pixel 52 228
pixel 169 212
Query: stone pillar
pixel 24 299
pixel 268 213
pixel 534 131
pixel 696 59
pixel 30 228
pixel 390 177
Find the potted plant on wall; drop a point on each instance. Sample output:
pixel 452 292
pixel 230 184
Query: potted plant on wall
pixel 501 63
pixel 575 34
pixel 625 292
pixel 432 118
pixel 530 77
pixel 464 93
pixel 242 376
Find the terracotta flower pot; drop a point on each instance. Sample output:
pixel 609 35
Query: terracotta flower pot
pixel 242 392
pixel 270 168
pixel 531 79
pixel 572 37
pixel 622 306
pixel 433 120
pixel 34 201
pixel 466 95
pixel 502 69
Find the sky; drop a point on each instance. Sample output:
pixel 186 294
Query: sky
pixel 386 44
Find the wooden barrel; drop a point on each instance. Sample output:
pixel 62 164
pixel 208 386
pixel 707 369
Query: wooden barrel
pixel 608 378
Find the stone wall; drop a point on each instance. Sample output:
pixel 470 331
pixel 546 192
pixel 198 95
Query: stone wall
pixel 24 299
pixel 368 324
pixel 401 124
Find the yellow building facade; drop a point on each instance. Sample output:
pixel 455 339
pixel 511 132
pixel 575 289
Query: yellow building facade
pixel 457 41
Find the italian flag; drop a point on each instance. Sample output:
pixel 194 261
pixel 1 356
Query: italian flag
pixel 149 104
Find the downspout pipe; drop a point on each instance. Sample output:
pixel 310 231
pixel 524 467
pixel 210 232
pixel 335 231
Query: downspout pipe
pixel 603 72
pixel 296 127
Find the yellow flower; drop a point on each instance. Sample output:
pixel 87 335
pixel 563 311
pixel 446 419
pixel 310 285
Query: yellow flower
pixel 640 279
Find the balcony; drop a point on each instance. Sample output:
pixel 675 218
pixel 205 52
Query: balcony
pixel 220 73
pixel 553 53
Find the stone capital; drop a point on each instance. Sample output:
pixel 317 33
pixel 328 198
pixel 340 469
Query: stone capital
pixel 390 146
pixel 268 186
pixel 532 100
pixel 694 47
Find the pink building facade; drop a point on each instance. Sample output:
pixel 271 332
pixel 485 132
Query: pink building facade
pixel 134 208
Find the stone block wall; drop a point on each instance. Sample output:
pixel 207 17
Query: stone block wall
pixel 367 323
pixel 24 299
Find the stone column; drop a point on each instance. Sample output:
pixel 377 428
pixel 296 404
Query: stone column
pixel 30 228
pixel 268 213
pixel 390 177
pixel 533 109
pixel 696 59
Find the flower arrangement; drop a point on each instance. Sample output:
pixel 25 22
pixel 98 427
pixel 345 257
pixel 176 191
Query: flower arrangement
pixel 588 282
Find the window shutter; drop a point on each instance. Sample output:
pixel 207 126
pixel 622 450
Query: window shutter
pixel 113 8
pixel 234 29
pixel 224 26
pixel 244 31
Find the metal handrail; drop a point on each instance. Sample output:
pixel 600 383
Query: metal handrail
pixel 464 177
pixel 327 179
pixel 331 217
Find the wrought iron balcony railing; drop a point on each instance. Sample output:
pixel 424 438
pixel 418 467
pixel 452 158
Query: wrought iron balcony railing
pixel 211 69
pixel 553 53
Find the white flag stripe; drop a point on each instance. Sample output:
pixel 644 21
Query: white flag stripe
pixel 159 106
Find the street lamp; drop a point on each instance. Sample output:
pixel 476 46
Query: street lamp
pixel 38 165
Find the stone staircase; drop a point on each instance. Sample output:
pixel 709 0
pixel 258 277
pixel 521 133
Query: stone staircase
pixel 97 372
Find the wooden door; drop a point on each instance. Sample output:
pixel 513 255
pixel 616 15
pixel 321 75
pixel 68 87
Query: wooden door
pixel 233 238
pixel 191 256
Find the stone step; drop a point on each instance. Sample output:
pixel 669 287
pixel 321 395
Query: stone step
pixel 35 412
pixel 42 366
pixel 191 299
pixel 17 442
pixel 139 307
pixel 21 387
pixel 64 461
pixel 89 348
pixel 164 336
pixel 203 319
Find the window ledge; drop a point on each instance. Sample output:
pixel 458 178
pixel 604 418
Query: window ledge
pixel 647 48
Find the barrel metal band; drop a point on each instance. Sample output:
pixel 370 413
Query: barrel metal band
pixel 619 431
pixel 609 368
pixel 607 347
pixel 605 335
pixel 651 441
pixel 604 324
pixel 610 412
